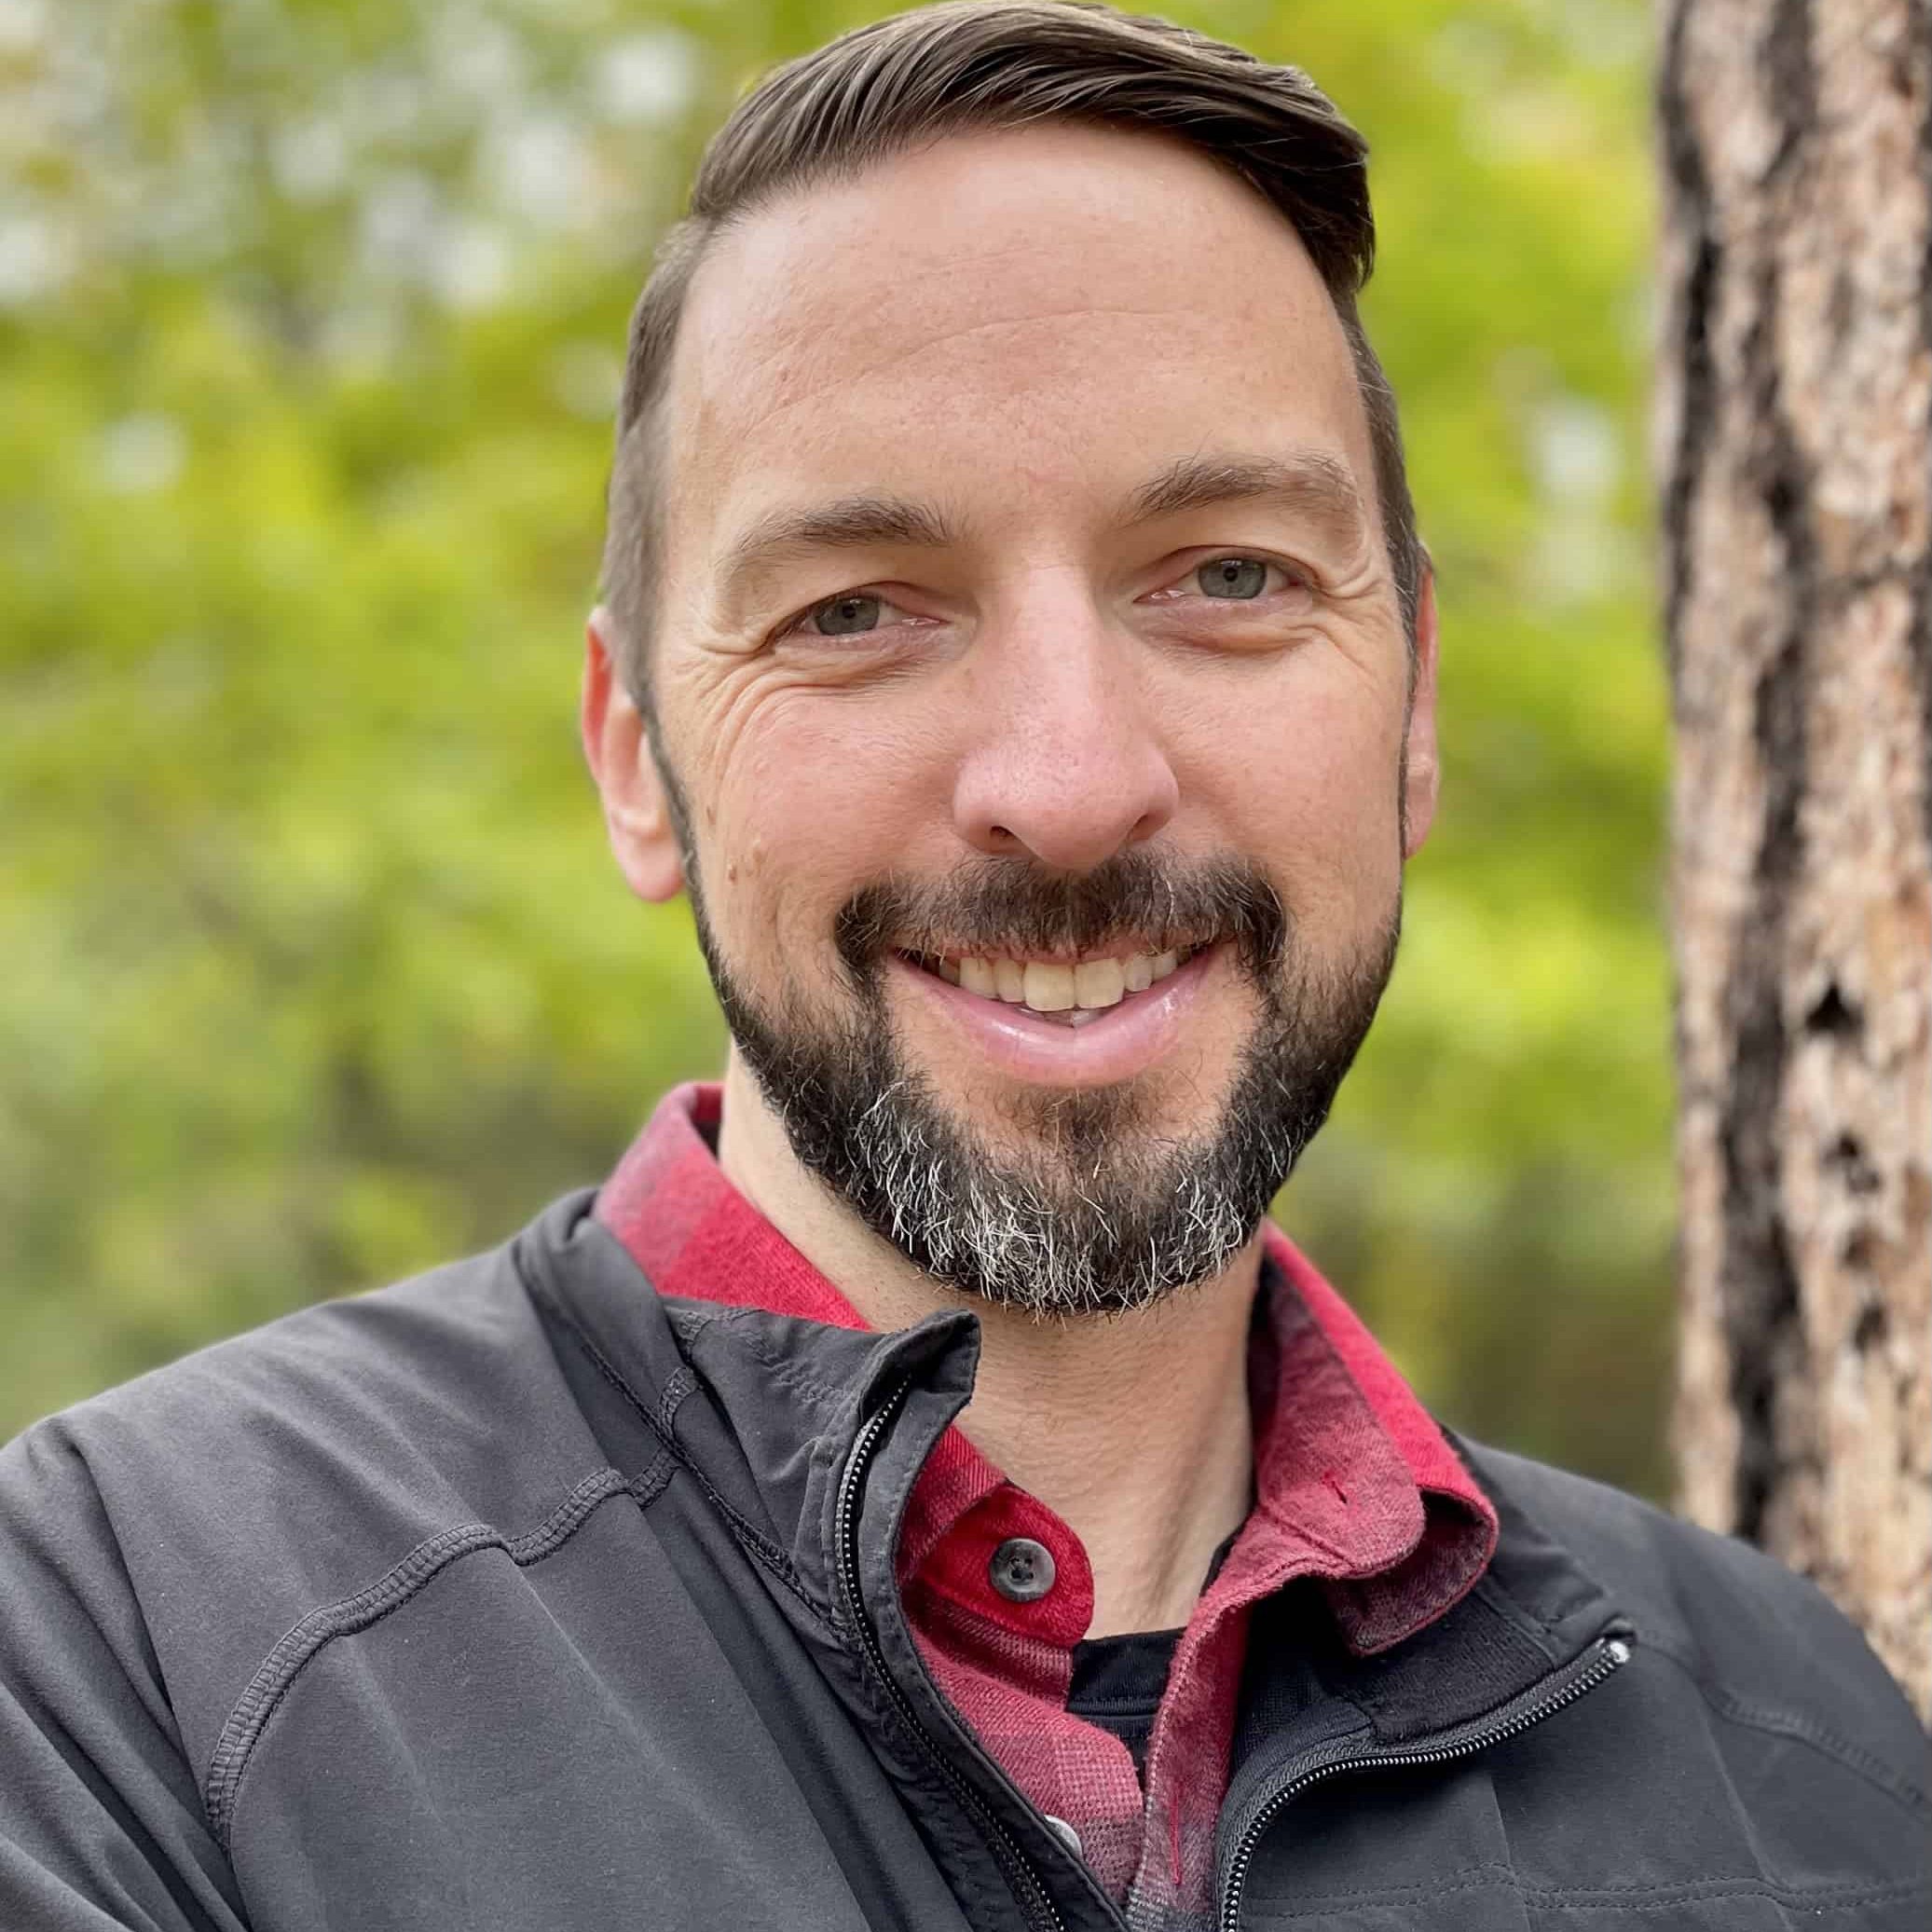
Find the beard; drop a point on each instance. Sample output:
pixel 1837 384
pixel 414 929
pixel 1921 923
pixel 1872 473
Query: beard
pixel 1096 1212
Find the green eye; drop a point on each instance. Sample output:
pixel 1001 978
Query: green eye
pixel 846 617
pixel 1235 577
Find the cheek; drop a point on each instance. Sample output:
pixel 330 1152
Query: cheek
pixel 815 795
pixel 1315 762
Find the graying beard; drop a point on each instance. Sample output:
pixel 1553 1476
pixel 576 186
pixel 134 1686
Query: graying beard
pixel 1014 1246
pixel 1111 1231
pixel 1051 1250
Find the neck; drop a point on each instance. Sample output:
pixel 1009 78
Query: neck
pixel 1133 1429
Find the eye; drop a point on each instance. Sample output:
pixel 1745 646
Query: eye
pixel 842 617
pixel 1237 600
pixel 853 613
pixel 1236 578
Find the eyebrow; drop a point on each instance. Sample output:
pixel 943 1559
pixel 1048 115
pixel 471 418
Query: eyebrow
pixel 1309 483
pixel 850 523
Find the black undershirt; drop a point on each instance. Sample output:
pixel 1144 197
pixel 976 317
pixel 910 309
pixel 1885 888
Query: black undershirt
pixel 1118 1682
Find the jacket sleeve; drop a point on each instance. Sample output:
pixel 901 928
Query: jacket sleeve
pixel 100 1821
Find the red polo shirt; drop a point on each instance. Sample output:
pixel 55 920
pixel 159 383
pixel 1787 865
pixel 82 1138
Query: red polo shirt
pixel 1355 1486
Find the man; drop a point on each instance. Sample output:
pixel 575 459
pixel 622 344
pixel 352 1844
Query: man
pixel 919 1489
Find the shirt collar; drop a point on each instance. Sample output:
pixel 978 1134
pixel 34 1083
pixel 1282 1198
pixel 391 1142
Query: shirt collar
pixel 1354 1481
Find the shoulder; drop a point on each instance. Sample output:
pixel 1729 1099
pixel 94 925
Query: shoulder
pixel 209 1507
pixel 1760 1645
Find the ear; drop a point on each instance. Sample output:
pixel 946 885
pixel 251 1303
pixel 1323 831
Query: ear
pixel 618 750
pixel 1424 773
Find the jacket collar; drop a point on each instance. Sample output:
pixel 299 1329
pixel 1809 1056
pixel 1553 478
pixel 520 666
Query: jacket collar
pixel 766 1410
pixel 763 1409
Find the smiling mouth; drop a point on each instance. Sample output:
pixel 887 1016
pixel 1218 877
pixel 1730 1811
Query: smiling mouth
pixel 1070 992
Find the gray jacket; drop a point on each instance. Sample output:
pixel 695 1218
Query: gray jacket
pixel 519 1599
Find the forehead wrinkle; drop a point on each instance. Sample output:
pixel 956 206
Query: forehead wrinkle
pixel 860 522
pixel 1309 483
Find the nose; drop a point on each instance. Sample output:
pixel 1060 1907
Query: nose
pixel 1065 762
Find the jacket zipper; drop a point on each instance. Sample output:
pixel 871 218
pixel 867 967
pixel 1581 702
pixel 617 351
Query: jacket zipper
pixel 1611 1654
pixel 1036 1900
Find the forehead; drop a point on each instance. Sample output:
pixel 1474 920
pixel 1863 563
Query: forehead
pixel 998 321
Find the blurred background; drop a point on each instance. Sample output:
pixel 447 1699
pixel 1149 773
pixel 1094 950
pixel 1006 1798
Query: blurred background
pixel 313 966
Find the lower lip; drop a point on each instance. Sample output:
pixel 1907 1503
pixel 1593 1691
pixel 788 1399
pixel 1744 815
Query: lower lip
pixel 1118 1043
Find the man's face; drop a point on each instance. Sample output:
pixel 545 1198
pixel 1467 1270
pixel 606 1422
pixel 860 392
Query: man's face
pixel 1033 689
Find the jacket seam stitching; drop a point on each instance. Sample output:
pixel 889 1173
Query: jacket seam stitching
pixel 779 1367
pixel 1777 1723
pixel 789 1370
pixel 350 1616
pixel 743 1324
pixel 1619 1897
pixel 661 1423
pixel 1640 1898
pixel 678 1385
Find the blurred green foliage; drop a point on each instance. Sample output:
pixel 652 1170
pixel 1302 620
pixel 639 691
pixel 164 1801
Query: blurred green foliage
pixel 316 969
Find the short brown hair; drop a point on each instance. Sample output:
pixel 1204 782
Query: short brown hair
pixel 972 65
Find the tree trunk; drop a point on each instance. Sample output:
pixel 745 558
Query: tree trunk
pixel 1794 412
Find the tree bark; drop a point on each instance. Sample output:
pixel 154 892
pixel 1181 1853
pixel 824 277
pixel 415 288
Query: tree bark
pixel 1794 411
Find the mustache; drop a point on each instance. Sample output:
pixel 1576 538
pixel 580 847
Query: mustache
pixel 1007 907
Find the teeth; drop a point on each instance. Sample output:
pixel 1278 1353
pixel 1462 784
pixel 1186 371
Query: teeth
pixel 1098 982
pixel 1052 986
pixel 1049 988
